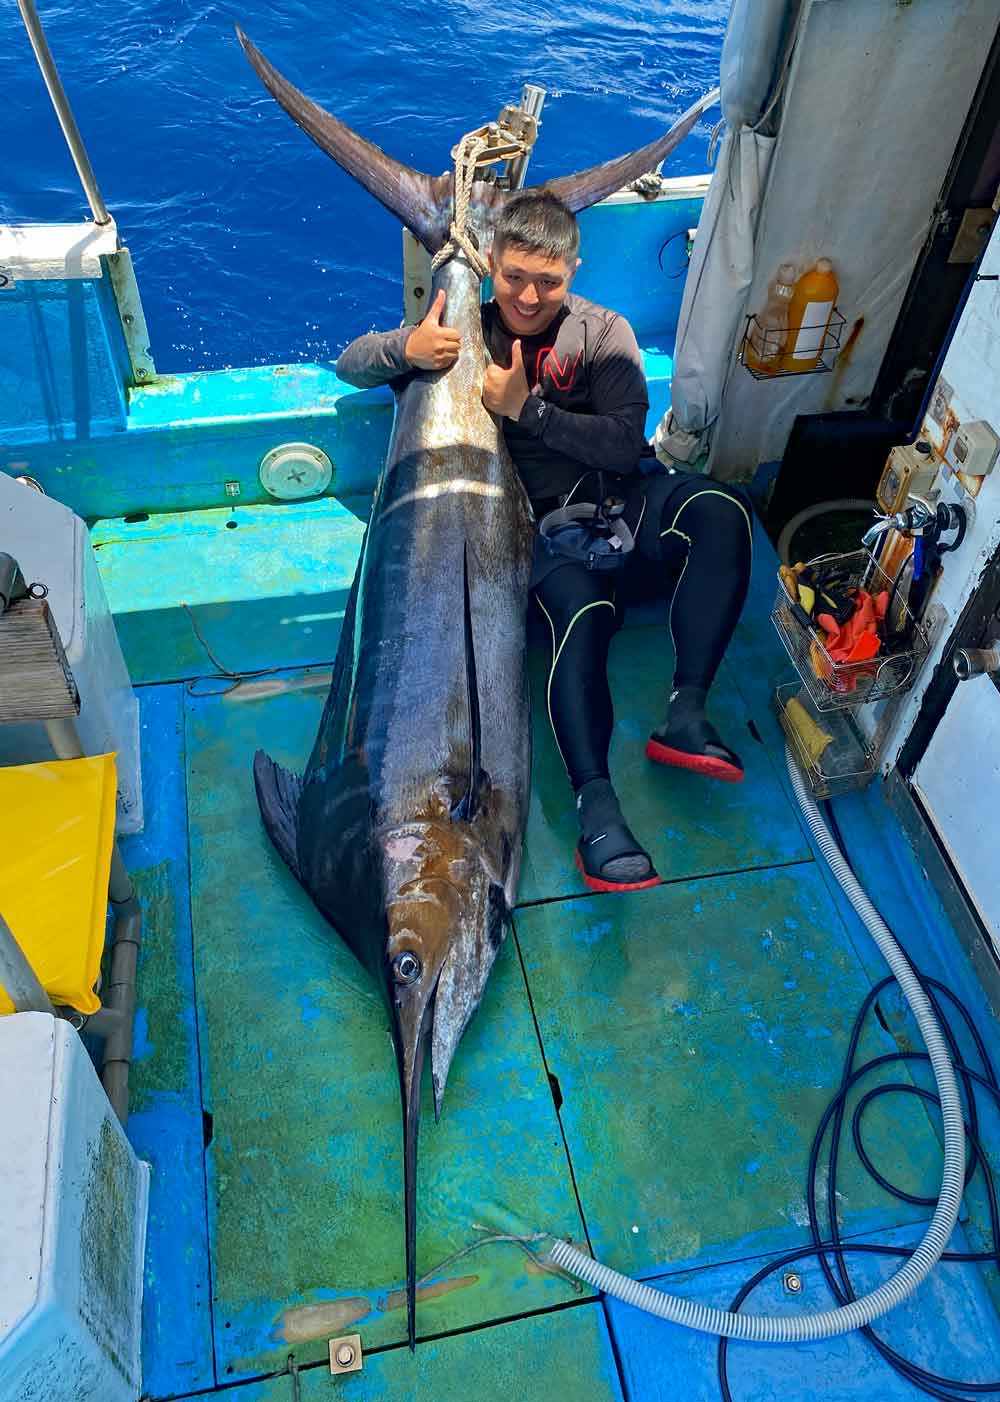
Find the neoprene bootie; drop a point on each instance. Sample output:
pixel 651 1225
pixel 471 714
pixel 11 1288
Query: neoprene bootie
pixel 689 740
pixel 608 855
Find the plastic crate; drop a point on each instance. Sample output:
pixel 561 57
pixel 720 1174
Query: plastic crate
pixel 836 685
pixel 847 762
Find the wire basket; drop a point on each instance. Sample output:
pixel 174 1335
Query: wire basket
pixel 762 350
pixel 836 685
pixel 846 760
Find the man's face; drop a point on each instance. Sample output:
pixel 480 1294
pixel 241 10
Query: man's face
pixel 529 287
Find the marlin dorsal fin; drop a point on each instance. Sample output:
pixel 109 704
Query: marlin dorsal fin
pixel 466 807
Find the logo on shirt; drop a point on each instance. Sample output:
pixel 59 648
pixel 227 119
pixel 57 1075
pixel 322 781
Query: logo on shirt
pixel 561 373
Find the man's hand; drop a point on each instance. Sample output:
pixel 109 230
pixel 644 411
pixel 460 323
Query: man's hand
pixel 504 391
pixel 431 346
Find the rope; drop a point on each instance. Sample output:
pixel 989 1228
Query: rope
pixel 467 160
pixel 235 679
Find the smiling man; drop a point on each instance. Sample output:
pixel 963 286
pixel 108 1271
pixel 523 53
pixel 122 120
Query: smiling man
pixel 567 381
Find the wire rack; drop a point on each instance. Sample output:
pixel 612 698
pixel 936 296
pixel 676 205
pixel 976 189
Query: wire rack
pixel 835 685
pixel 763 355
pixel 846 761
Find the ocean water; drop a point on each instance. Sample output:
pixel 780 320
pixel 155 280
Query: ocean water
pixel 250 245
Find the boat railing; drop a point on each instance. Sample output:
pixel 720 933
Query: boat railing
pixel 57 93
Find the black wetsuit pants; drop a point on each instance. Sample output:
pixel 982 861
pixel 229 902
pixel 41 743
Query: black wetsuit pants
pixel 693 549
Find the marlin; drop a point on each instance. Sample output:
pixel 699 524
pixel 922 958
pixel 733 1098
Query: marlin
pixel 406 827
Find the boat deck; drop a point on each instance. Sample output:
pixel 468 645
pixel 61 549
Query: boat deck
pixel 645 1075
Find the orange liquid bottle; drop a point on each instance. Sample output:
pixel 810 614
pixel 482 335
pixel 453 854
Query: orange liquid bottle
pixel 809 314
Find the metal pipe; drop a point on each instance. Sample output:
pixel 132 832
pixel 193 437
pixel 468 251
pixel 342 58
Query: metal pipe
pixel 976 661
pixel 120 888
pixel 64 112
pixel 18 977
pixel 64 739
pixel 119 997
pixel 532 98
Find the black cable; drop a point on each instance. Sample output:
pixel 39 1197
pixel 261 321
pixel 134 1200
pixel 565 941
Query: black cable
pixel 681 234
pixel 827 1246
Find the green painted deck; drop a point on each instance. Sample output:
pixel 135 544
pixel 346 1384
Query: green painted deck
pixel 645 1073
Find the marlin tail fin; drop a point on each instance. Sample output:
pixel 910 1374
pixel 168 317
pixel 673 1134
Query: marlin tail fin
pixel 422 202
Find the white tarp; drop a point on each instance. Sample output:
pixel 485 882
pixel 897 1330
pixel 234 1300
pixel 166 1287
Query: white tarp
pixel 722 263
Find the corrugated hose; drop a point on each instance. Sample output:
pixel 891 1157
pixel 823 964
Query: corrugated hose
pixel 857 1313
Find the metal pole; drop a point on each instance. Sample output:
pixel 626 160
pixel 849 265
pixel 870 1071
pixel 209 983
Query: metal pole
pixel 532 98
pixel 119 995
pixel 60 102
pixel 64 739
pixel 19 978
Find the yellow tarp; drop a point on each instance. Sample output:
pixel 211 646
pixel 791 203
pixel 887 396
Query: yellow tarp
pixel 59 829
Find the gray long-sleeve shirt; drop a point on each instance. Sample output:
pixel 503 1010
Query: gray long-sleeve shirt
pixel 588 402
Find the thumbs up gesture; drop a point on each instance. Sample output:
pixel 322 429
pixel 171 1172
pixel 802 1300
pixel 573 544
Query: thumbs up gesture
pixel 504 391
pixel 431 346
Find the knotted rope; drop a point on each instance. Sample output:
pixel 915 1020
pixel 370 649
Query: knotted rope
pixel 470 154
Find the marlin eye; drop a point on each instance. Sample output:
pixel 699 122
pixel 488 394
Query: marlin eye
pixel 406 967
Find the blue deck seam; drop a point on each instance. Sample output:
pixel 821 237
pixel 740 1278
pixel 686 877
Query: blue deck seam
pixel 198 1046
pixel 558 1108
pixel 587 1301
pixel 585 895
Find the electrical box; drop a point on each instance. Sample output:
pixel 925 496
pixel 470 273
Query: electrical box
pixel 973 449
pixel 909 471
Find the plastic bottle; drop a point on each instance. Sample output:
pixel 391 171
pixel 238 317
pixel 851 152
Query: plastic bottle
pixel 769 329
pixel 809 314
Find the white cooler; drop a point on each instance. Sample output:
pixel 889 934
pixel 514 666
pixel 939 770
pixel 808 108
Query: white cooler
pixel 73 1224
pixel 52 547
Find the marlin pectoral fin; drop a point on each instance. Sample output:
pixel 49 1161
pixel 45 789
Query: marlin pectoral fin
pixel 585 188
pixel 422 202
pixel 466 807
pixel 278 793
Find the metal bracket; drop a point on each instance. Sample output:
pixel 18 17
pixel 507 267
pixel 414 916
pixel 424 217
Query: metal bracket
pixel 973 232
pixel 126 291
pixel 12 582
pixel 417 278
pixel 346 1355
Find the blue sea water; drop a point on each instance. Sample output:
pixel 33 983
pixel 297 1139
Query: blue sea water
pixel 250 245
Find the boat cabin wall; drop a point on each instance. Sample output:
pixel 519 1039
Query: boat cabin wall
pixel 876 101
pixel 967 392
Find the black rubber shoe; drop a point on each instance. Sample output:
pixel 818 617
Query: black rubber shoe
pixel 689 740
pixel 607 854
pixel 614 861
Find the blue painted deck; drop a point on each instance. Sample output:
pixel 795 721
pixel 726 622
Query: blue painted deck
pixel 645 1074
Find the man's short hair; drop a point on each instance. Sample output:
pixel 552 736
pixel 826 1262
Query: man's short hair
pixel 538 222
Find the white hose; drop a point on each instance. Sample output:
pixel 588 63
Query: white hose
pixel 855 1315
